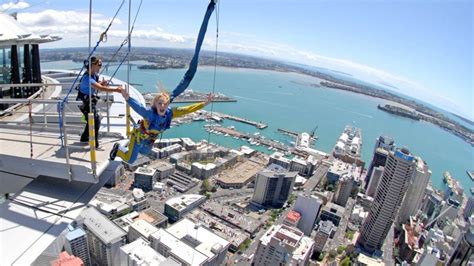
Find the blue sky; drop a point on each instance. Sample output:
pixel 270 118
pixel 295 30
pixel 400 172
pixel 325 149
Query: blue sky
pixel 422 47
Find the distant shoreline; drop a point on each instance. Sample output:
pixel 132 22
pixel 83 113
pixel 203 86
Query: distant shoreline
pixel 165 58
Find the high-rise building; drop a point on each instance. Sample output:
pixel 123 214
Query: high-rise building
pixel 383 145
pixel 308 207
pixel 343 190
pixel 374 181
pixel 76 244
pixel 469 210
pixel 415 192
pixel 392 187
pixel 464 252
pixel 283 245
pixel 273 185
pixel 103 237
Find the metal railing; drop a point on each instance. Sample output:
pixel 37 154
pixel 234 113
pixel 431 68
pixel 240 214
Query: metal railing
pixel 29 124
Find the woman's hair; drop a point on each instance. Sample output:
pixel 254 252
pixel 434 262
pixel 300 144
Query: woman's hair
pixel 94 60
pixel 161 94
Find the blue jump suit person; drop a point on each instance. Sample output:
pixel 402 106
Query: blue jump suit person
pixel 157 118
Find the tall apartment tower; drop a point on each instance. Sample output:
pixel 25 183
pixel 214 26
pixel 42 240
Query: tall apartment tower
pixel 76 244
pixel 343 190
pixel 383 145
pixel 273 185
pixel 392 187
pixel 415 192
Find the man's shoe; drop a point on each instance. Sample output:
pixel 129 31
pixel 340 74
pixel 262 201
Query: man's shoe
pixel 113 152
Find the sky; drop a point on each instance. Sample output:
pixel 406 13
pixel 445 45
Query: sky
pixel 424 48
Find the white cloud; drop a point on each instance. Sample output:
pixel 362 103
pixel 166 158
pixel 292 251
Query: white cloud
pixel 154 35
pixel 11 6
pixel 73 27
pixel 63 22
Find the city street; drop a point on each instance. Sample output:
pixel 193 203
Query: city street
pixel 387 248
pixel 339 236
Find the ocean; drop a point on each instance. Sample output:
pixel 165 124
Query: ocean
pixel 286 100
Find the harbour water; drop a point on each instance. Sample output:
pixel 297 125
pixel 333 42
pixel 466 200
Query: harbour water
pixel 286 100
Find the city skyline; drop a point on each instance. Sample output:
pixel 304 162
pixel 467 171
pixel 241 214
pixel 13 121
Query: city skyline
pixel 395 52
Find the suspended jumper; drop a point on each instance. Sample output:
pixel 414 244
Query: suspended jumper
pixel 157 118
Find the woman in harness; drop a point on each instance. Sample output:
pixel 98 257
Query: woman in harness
pixel 85 91
pixel 158 118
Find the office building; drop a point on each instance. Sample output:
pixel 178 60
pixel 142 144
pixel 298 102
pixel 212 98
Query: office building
pixel 377 173
pixel 176 207
pixel 383 145
pixel 332 212
pixel 415 192
pixel 308 207
pixel 163 170
pixel 145 178
pixel 343 190
pixel 464 252
pixel 469 210
pixel 283 245
pixel 399 168
pixel 273 185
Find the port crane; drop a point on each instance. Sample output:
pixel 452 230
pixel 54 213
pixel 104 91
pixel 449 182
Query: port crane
pixel 313 131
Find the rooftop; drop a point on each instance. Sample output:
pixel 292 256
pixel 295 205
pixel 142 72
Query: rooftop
pixel 12 32
pixel 326 227
pixel 183 201
pixel 102 227
pixel 142 254
pixel 180 249
pixel 202 239
pixel 240 173
pixel 76 233
pixel 299 244
pixel 334 208
pixel 293 216
pixel 145 171
pixel 143 227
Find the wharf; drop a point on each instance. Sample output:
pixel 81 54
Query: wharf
pixel 245 121
pixel 288 132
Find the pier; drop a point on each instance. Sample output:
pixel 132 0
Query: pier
pixel 288 132
pixel 244 120
pixel 253 139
